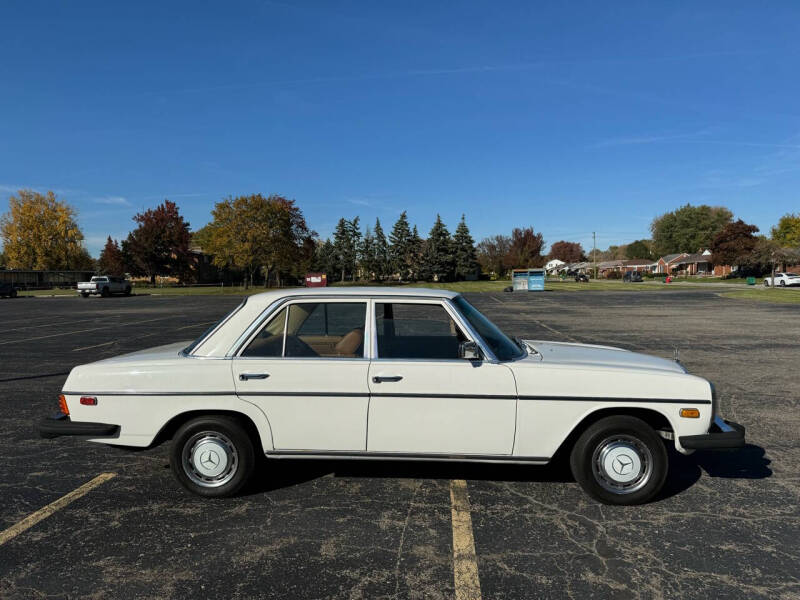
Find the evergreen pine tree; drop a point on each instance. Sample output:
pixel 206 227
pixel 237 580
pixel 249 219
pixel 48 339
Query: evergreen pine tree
pixel 368 259
pixel 466 262
pixel 383 266
pixel 438 260
pixel 416 252
pixel 356 250
pixel 400 238
pixel 343 247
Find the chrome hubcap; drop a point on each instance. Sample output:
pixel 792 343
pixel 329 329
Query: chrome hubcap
pixel 210 459
pixel 622 464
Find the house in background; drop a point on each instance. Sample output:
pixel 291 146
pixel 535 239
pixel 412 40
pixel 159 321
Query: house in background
pixel 637 264
pixel 554 265
pixel 694 264
pixel 666 263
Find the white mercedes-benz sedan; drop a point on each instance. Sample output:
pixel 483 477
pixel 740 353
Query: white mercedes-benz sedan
pixel 392 373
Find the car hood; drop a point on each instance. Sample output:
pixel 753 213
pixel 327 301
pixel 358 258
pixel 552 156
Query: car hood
pixel 587 355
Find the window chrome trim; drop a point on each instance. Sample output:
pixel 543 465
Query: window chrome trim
pixel 273 309
pixel 451 311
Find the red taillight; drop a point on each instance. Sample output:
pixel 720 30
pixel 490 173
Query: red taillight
pixel 88 400
pixel 62 404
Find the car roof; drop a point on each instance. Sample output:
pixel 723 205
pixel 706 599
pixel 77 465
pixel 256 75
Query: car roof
pixel 356 291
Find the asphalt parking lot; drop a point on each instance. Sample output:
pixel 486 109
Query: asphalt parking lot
pixel 726 526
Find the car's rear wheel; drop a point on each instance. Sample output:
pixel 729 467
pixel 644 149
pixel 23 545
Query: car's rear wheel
pixel 105 293
pixel 128 291
pixel 84 294
pixel 620 460
pixel 212 456
pixel 782 284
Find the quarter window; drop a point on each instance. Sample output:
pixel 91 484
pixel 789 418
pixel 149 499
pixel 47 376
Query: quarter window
pixel 416 331
pixel 313 329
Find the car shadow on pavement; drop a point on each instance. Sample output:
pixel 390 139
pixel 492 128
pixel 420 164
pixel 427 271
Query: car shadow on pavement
pixel 748 462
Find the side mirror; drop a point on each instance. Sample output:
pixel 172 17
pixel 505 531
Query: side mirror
pixel 469 351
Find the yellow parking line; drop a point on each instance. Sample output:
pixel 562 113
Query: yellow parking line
pixel 48 510
pixel 465 560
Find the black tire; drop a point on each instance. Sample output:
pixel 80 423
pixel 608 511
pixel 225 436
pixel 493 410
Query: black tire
pixel 128 291
pixel 636 447
pixel 226 442
pixel 84 295
pixel 782 284
pixel 105 293
pixel 13 294
pixel 766 283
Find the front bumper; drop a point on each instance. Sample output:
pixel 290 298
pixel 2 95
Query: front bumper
pixel 61 424
pixel 722 434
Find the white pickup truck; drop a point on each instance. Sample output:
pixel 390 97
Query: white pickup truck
pixel 104 285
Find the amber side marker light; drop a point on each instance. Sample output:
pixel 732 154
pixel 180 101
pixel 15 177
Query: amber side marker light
pixel 62 404
pixel 690 413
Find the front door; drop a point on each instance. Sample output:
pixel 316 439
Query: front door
pixel 307 371
pixel 427 400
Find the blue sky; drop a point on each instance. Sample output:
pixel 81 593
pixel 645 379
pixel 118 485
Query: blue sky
pixel 571 117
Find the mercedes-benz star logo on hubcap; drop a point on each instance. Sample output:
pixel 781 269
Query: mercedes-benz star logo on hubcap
pixel 209 459
pixel 622 465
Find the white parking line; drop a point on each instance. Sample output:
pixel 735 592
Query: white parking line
pixel 52 335
pixel 95 346
pixel 51 508
pixel 465 560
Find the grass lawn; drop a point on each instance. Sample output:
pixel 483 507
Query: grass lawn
pixel 778 296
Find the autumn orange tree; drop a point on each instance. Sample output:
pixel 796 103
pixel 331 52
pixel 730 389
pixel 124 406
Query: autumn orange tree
pixel 256 232
pixel 111 261
pixel 41 232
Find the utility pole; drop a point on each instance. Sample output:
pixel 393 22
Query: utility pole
pixel 594 253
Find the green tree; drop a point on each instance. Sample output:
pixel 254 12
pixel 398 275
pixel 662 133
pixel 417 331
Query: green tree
pixel 466 262
pixel 416 251
pixel 41 232
pixel 787 231
pixel 369 262
pixel 325 259
pixel 639 249
pixel 438 262
pixel 254 233
pixel 111 261
pixel 400 249
pixel 734 244
pixel 344 248
pixel 383 266
pixel 354 231
pixel 689 228
pixel 160 243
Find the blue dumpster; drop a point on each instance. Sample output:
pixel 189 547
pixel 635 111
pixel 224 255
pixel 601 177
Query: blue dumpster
pixel 528 280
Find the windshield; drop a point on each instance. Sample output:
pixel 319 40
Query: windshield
pixel 205 334
pixel 503 347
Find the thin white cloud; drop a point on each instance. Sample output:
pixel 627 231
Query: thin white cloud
pixel 112 201
pixel 648 139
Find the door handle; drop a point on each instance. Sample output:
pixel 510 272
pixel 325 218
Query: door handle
pixel 246 376
pixel 382 378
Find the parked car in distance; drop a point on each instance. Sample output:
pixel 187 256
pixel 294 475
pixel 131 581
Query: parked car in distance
pixel 104 285
pixel 581 278
pixel 783 280
pixel 382 373
pixel 7 290
pixel 632 277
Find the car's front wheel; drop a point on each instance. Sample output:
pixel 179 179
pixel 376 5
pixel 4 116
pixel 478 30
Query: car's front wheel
pixel 620 460
pixel 212 456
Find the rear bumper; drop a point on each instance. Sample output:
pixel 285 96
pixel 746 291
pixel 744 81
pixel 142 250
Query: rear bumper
pixel 61 424
pixel 722 434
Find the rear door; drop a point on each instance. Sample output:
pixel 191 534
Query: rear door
pixel 306 369
pixel 427 400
